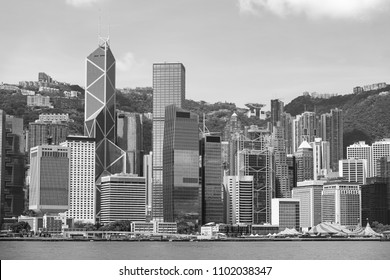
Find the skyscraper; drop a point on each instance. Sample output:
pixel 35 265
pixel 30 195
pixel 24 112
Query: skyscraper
pixel 255 158
pixel 277 108
pixel 379 149
pixel 341 203
pixel 100 118
pixel 130 140
pixel 239 191
pixel 168 89
pixel 282 182
pixel 82 192
pixel 49 185
pixel 305 128
pixel 361 150
pixel 321 158
pixel 100 110
pixel 304 162
pixel 13 195
pixel 41 131
pixel 181 189
pixel 309 193
pixel 211 178
pixel 332 128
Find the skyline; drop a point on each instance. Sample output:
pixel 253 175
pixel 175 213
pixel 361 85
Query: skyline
pixel 238 50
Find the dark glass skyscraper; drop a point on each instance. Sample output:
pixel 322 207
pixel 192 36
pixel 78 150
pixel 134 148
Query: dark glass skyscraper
pixel 211 179
pixel 181 190
pixel 168 89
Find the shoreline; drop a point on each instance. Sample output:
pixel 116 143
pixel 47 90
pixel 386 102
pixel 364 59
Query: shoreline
pixel 45 239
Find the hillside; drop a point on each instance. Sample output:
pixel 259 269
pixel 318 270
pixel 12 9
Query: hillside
pixel 366 115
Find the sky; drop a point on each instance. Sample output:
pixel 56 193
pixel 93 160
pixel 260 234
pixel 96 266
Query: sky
pixel 233 50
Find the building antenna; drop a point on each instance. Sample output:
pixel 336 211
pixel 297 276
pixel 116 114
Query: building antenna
pixel 99 26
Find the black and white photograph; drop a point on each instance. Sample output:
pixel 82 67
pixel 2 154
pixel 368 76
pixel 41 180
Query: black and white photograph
pixel 195 139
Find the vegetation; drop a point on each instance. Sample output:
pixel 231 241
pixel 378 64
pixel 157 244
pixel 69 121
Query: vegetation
pixel 20 227
pixel 366 115
pixel 379 228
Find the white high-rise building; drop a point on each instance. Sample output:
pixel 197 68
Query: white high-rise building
pixel 341 203
pixel 361 150
pixel 321 158
pixel 285 213
pixel 240 202
pixel 309 194
pixel 379 149
pixel 353 170
pixel 82 193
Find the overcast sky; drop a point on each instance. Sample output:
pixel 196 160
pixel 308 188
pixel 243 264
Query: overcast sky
pixel 233 50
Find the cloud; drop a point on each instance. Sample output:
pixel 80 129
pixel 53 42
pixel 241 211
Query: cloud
pixel 82 3
pixel 355 9
pixel 132 71
pixel 127 63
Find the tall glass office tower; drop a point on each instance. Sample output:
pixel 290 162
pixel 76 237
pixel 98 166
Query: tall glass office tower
pixel 100 110
pixel 100 119
pixel 181 189
pixel 168 89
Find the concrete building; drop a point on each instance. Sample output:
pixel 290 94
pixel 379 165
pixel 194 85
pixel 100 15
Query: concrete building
pixel 168 89
pixel 82 192
pixel 123 197
pixel 49 130
pixel 309 193
pixel 49 183
pixel 341 203
pixel 286 213
pixel 353 170
pixel 38 101
pixel 181 187
pixel 360 150
pixel 277 109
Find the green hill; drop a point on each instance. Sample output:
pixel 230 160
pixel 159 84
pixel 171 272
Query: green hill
pixel 366 115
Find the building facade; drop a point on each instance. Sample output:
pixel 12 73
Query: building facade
pixel 379 149
pixel 211 179
pixel 130 140
pixel 353 170
pixel 49 183
pixel 82 192
pixel 239 191
pixel 304 162
pixel 360 150
pixel 123 197
pixel 309 194
pixel 341 203
pixel 285 213
pixel 168 89
pixel 181 187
